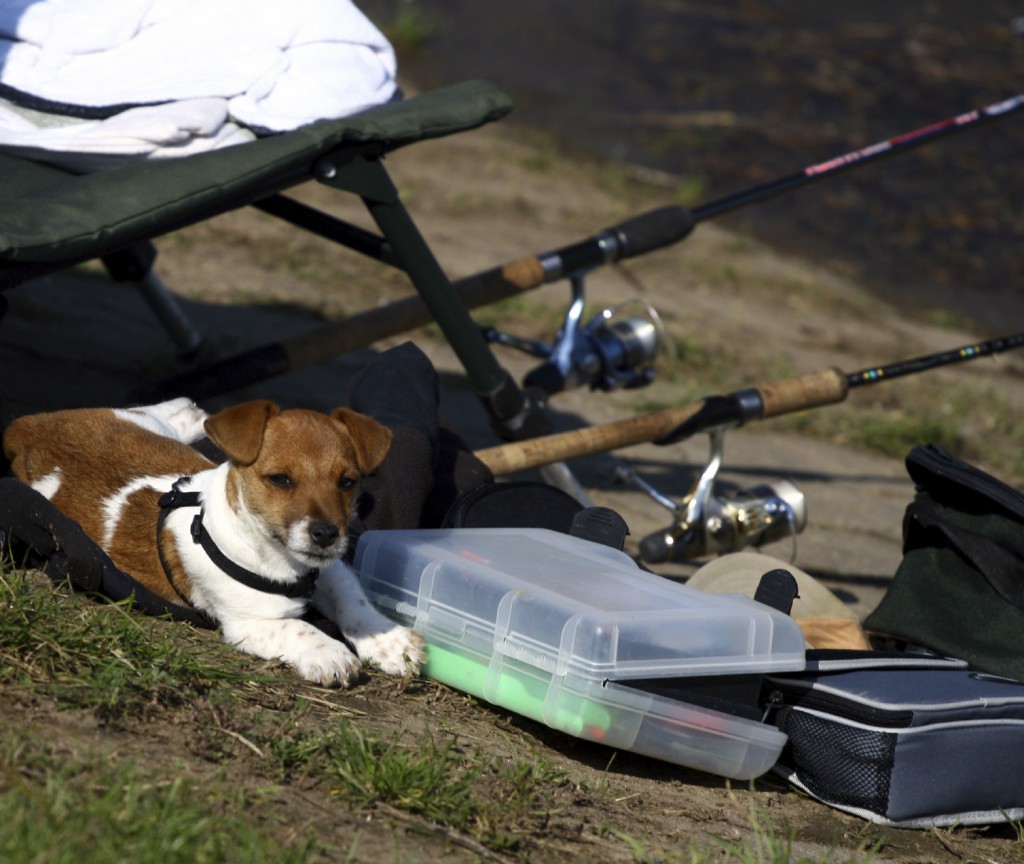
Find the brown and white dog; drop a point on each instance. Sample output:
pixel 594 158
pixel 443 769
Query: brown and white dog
pixel 251 542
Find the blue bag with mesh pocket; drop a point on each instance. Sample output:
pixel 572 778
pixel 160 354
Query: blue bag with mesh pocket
pixel 908 740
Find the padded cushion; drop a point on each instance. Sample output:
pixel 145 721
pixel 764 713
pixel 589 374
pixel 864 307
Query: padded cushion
pixel 50 216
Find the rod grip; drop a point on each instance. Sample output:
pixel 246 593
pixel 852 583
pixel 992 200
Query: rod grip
pixel 490 286
pixel 635 236
pixel 652 230
pixel 807 391
pixel 533 452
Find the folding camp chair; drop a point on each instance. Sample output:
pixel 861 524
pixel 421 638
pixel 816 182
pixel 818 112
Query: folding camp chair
pixel 51 218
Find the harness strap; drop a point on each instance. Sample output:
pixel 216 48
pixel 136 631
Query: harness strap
pixel 168 501
pixel 303 587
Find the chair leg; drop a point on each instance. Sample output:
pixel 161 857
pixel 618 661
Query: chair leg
pixel 512 413
pixel 170 314
pixel 135 264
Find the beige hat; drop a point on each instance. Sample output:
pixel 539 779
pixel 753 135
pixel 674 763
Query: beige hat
pixel 825 620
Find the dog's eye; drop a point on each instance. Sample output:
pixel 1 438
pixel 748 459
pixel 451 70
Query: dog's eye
pixel 346 483
pixel 281 481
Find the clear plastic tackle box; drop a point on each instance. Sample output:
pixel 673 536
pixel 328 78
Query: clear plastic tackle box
pixel 574 635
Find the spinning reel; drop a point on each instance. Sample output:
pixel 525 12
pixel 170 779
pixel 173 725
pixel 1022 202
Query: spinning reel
pixel 709 522
pixel 612 350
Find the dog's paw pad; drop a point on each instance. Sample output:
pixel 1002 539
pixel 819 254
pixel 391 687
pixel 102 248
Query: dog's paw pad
pixel 398 651
pixel 329 666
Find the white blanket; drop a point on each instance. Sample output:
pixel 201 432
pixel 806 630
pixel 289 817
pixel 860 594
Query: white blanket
pixel 214 68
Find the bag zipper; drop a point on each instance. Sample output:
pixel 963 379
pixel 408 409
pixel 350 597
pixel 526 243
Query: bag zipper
pixel 846 706
pixel 813 700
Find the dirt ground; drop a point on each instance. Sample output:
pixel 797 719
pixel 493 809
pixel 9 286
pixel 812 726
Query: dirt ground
pixel 745 312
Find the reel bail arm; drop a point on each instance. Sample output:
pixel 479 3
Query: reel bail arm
pixel 708 523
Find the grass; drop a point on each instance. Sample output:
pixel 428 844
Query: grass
pixel 497 803
pixel 973 422
pixel 218 795
pixel 766 845
pixel 430 779
pixel 98 814
pixel 102 657
pixel 409 28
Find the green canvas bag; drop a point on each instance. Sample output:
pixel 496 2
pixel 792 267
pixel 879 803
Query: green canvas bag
pixel 959 590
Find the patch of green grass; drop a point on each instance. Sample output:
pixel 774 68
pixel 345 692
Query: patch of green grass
pixel 975 423
pixel 496 802
pixel 696 367
pixel 429 779
pixel 946 319
pixel 67 814
pixel 889 431
pixel 101 656
pixel 693 189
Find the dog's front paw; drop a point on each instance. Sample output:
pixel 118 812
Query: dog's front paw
pixel 309 651
pixel 329 664
pixel 397 650
pixel 186 419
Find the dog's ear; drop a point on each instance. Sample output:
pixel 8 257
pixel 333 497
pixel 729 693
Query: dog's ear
pixel 238 430
pixel 370 439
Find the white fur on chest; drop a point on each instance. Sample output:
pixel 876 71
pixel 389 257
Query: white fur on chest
pixel 239 536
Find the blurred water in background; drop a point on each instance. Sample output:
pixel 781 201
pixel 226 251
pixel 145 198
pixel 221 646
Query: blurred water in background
pixel 727 94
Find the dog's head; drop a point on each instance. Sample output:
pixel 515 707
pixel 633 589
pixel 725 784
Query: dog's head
pixel 296 472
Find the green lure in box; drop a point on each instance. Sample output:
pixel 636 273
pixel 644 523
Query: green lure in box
pixel 522 693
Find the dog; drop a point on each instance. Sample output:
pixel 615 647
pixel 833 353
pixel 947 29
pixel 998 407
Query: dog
pixel 252 542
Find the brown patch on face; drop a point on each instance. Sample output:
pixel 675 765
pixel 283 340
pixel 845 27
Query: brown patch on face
pixel 307 467
pixel 370 439
pixel 238 430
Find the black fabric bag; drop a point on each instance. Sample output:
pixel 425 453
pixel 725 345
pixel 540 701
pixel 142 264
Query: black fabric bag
pixel 906 740
pixel 959 590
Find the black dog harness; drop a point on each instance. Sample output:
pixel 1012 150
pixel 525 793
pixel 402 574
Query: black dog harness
pixel 175 498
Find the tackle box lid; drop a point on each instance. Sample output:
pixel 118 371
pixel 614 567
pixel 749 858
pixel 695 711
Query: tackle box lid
pixel 568 607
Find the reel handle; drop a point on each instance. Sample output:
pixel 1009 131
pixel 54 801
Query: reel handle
pixel 658 547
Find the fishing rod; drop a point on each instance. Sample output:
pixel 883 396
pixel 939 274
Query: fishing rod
pixel 704 522
pixel 863 156
pixel 638 235
pixel 733 409
pixel 665 225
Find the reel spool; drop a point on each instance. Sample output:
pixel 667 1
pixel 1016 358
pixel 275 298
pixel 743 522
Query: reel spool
pixel 611 351
pixel 749 517
pixel 710 523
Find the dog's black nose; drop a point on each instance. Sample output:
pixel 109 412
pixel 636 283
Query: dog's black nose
pixel 324 533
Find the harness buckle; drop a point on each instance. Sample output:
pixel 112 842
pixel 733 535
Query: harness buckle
pixel 197 528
